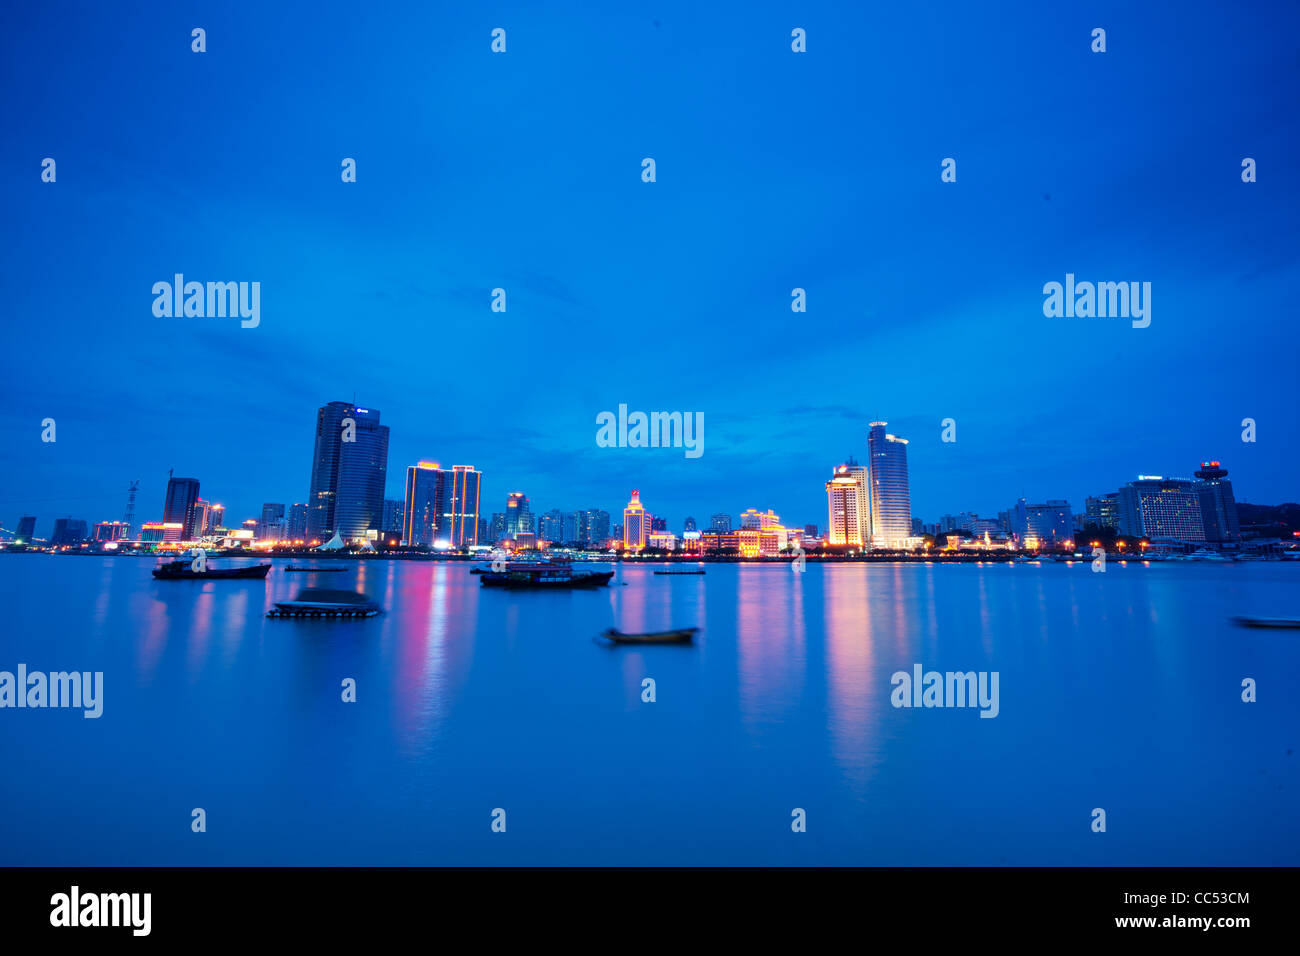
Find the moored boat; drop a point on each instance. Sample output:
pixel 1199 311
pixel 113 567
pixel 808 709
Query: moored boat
pixel 184 570
pixel 521 575
pixel 1270 622
pixel 323 602
pixel 682 635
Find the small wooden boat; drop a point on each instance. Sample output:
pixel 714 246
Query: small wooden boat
pixel 184 571
pixel 1270 622
pixel 316 570
pixel 684 635
pixel 700 571
pixel 534 575
pixel 322 602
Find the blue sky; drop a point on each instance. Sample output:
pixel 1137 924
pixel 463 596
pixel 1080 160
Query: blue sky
pixel 775 170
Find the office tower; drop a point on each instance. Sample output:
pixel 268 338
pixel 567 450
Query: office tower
pixel 1049 525
pixel 552 526
pixel 1156 507
pixel 1218 506
pixel 298 522
pixel 484 537
pixel 394 516
pixel 497 529
pixel 810 530
pixel 688 524
pixel 597 530
pixel 636 523
pixel 26 530
pixel 68 531
pixel 348 472
pixel 178 506
pixel 890 499
pixel 720 523
pixel 518 518
pixel 271 526
pixel 422 507
pixel 109 531
pixel 458 501
pixel 571 531
pixel 658 524
pixel 216 519
pixel 1102 512
pixel 847 498
pixel 202 514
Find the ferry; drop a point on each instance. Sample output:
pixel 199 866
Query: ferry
pixel 184 570
pixel 542 574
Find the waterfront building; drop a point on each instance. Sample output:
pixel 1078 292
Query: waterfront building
pixel 297 526
pixel 68 531
pixel 1103 511
pixel 519 519
pixel 26 533
pixel 596 531
pixel 458 522
pixel 1046 526
pixel 551 527
pixel 216 520
pixel 847 508
pixel 178 506
pixel 349 471
pixel 421 507
pixel 497 528
pixel 110 531
pixel 1218 506
pixel 1157 507
pixel 636 523
pixel 720 522
pixel 272 526
pixel 890 498
pixel 688 524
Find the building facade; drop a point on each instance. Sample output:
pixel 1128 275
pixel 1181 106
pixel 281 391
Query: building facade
pixel 349 471
pixel 890 500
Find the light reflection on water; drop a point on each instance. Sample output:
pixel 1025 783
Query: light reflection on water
pixel 1119 689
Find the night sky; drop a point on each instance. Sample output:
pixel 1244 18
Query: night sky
pixel 775 170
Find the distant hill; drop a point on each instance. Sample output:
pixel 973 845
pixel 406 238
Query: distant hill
pixel 1268 521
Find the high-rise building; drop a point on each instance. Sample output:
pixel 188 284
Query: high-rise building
pixel 846 501
pixel 68 531
pixel 216 519
pixel 720 523
pixel 178 506
pixel 1103 512
pixel 497 528
pixel 519 520
pixel 271 527
pixel 1218 506
pixel 458 499
pixel 298 522
pixel 552 526
pixel 658 524
pixel 891 500
pixel 688 524
pixel 348 472
pixel 1046 526
pixel 1157 507
pixel 26 530
pixel 110 531
pixel 422 507
pixel 484 534
pixel 636 523
pixel 202 513
pixel 596 530
pixel 394 517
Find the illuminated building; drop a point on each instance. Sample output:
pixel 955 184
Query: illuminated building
pixel 348 472
pixel 216 519
pixel 110 531
pixel 1102 512
pixel 202 515
pixel 178 506
pixel 459 500
pixel 272 526
pixel 298 522
pixel 758 543
pixel 662 539
pixel 1218 506
pixel 636 523
pixel 1156 507
pixel 160 532
pixel 846 501
pixel 1045 526
pixel 890 500
pixel 422 506
pixel 518 517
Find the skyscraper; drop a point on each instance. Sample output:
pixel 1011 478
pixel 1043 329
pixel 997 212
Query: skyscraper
pixel 348 472
pixel 551 527
pixel 1159 507
pixel 394 516
pixel 846 501
pixel 178 506
pixel 271 527
pixel 458 499
pixel 688 524
pixel 636 523
pixel 720 522
pixel 518 518
pixel 891 501
pixel 422 506
pixel 596 532
pixel 1218 506
pixel 298 522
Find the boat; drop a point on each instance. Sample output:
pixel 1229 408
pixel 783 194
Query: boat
pixel 1270 622
pixel 537 574
pixel 1205 554
pixel 316 570
pixel 700 571
pixel 184 570
pixel 683 635
pixel 323 602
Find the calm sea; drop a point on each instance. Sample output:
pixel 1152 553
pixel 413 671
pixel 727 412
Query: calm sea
pixel 1119 691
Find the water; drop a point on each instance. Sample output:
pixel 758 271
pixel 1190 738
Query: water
pixel 1119 690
